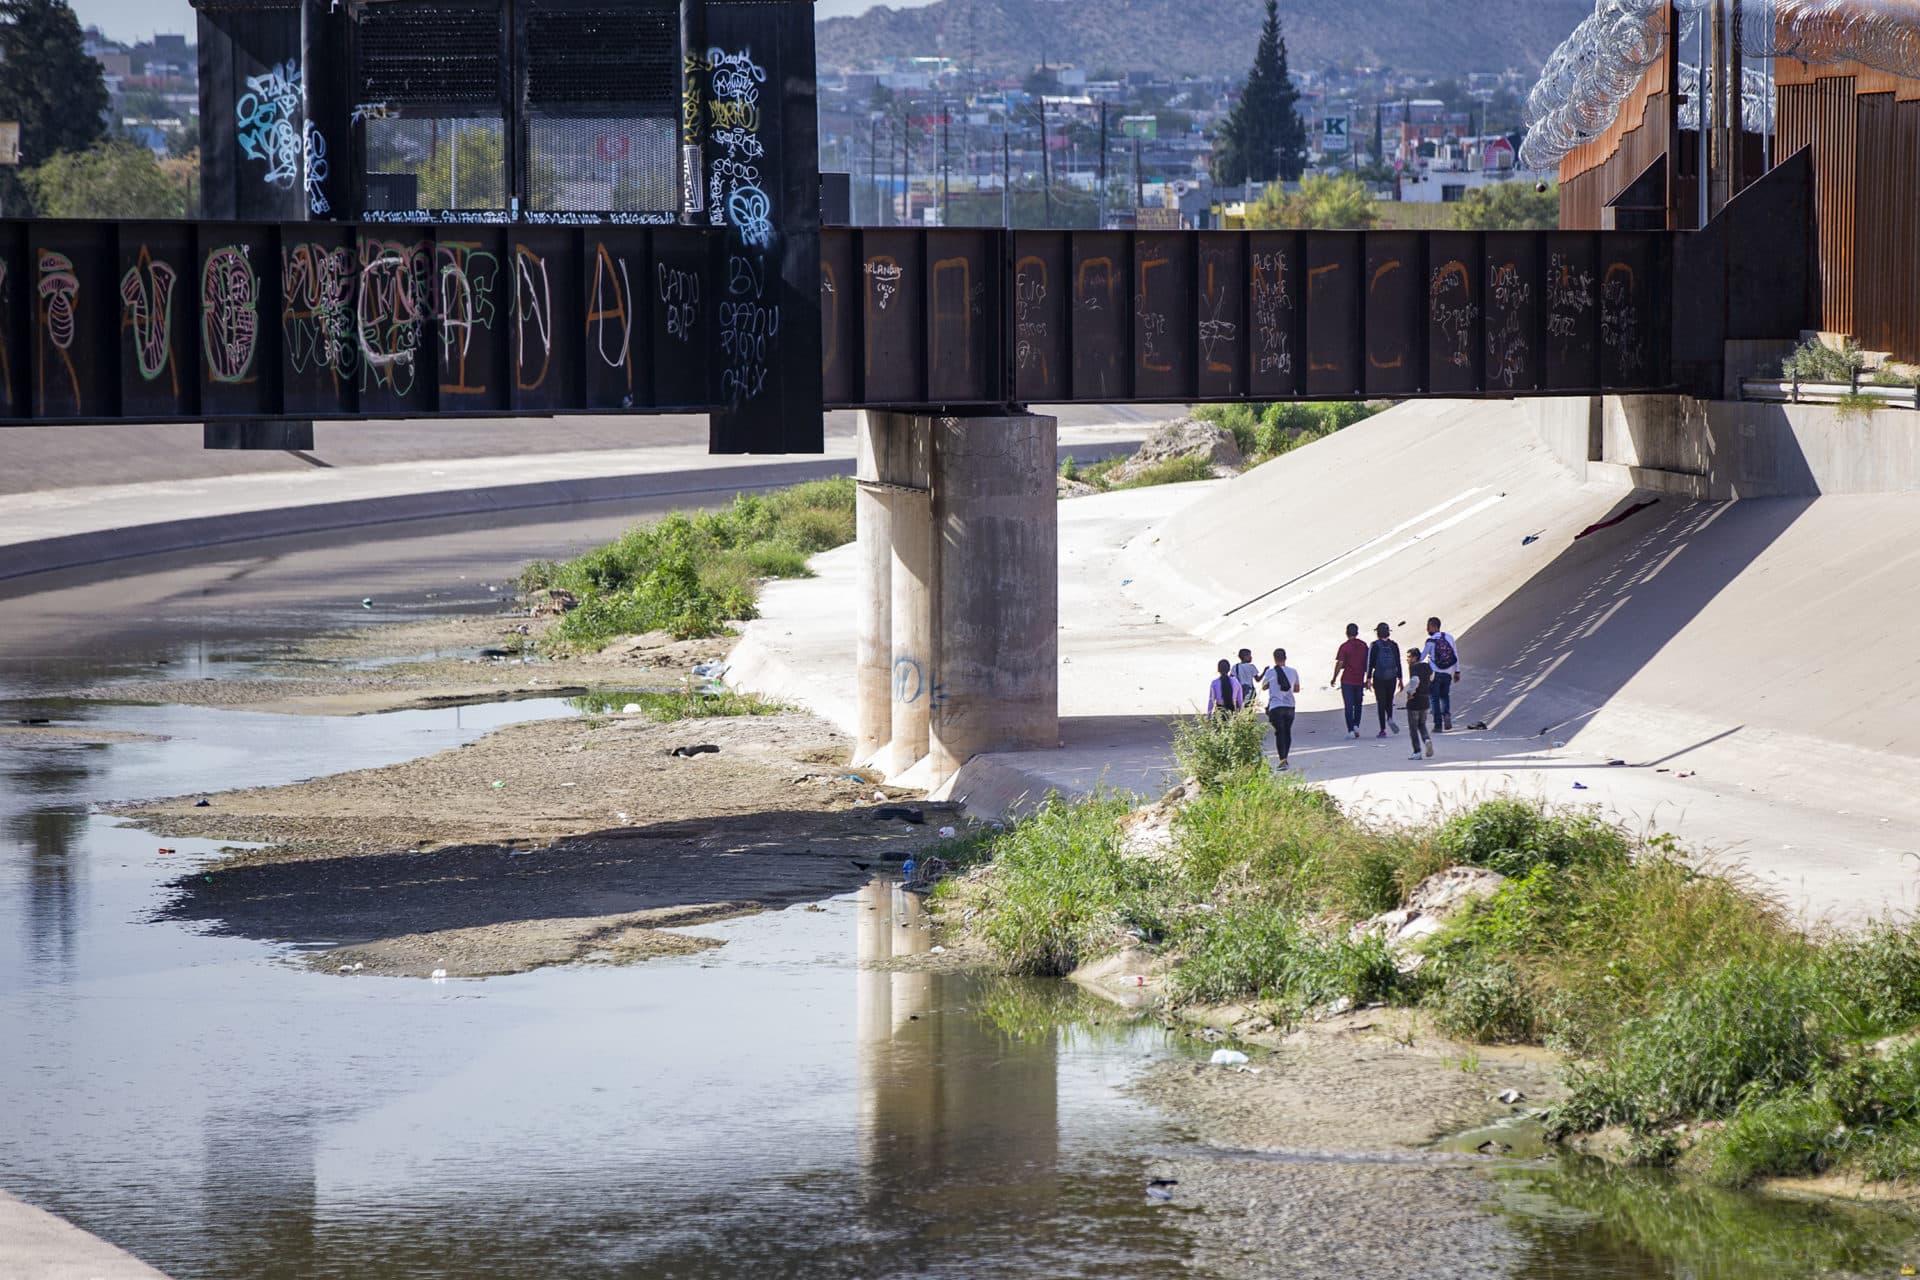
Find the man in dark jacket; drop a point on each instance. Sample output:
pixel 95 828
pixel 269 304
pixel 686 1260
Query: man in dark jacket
pixel 1383 667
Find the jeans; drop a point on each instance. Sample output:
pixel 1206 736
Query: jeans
pixel 1383 701
pixel 1354 696
pixel 1281 718
pixel 1442 700
pixel 1417 727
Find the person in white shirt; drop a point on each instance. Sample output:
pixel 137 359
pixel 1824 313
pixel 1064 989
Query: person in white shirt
pixel 1282 682
pixel 1248 675
pixel 1442 653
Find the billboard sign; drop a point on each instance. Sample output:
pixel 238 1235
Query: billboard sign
pixel 1333 133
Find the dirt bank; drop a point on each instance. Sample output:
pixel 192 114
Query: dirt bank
pixel 549 842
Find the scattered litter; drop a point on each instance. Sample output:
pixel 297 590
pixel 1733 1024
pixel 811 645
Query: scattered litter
pixel 938 951
pixel 1511 1096
pixel 631 709
pixel 202 803
pixel 891 811
pixel 36 720
pixel 816 907
pixel 1139 979
pixel 1530 539
pixel 1616 764
pixel 569 784
pixel 1579 786
pixel 1478 724
pixel 879 795
pixel 1492 1148
pixel 366 602
pixel 1161 1188
pixel 859 865
pixel 166 851
pixel 438 975
pixel 1227 1058
pixel 1126 582
pixel 1684 773
pixel 1663 770
pixel 710 670
pixel 1558 743
pixel 498 784
pixel 947 833
pixel 1608 524
pixel 906 868
pixel 621 816
pixel 697 749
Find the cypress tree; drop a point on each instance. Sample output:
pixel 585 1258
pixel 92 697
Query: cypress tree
pixel 1264 138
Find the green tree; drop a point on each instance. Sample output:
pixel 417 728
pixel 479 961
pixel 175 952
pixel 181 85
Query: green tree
pixel 48 83
pixel 1508 206
pixel 1324 202
pixel 1263 137
pixel 115 179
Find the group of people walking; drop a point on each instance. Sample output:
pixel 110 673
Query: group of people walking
pixel 1426 678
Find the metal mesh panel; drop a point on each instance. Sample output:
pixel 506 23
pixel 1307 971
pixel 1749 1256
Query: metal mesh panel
pixel 595 55
pixel 437 52
pixel 602 164
pixel 457 162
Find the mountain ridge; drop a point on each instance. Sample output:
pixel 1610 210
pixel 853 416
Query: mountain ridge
pixel 1194 37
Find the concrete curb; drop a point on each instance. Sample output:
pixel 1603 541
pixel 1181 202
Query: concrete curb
pixel 102 546
pixel 35 1243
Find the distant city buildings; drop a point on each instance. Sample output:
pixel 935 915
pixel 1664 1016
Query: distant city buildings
pixel 152 86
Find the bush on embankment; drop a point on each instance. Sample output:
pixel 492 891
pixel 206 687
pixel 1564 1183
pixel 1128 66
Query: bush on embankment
pixel 690 573
pixel 1677 995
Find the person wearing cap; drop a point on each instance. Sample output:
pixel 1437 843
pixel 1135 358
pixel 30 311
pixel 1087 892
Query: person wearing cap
pixel 1383 667
pixel 1419 690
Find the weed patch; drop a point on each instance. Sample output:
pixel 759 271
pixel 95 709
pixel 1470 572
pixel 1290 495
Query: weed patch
pixel 666 708
pixel 690 574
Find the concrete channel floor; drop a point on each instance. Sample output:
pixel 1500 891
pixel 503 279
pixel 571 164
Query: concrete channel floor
pixel 1714 649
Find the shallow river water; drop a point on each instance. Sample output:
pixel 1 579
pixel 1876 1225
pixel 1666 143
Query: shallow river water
pixel 780 1106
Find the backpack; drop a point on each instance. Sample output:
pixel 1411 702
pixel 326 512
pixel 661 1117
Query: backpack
pixel 1444 658
pixel 1385 661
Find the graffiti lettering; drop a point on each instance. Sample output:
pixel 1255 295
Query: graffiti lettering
pixel 59 300
pixel 147 294
pixel 229 313
pixel 680 298
pixel 1507 341
pixel 532 315
pixel 748 326
pixel 1619 319
pixel 466 277
pixel 1029 314
pixel 314 316
pixel 389 313
pixel 315 154
pixel 1569 292
pixel 267 122
pixel 1272 326
pixel 1450 307
pixel 609 301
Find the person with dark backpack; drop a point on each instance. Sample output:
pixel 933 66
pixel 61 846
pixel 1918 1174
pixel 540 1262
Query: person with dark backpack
pixel 1419 690
pixel 1443 652
pixel 1383 667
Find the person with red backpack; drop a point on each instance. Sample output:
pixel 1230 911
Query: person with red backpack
pixel 1442 652
pixel 1383 667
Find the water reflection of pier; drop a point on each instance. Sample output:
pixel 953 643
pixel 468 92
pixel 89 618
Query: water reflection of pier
pixel 947 1100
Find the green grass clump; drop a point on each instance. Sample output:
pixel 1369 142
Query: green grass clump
pixel 1263 952
pixel 1731 1031
pixel 1265 431
pixel 690 573
pixel 666 708
pixel 1213 748
pixel 1513 836
pixel 1065 893
pixel 1181 470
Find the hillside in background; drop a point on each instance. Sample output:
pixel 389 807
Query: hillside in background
pixel 1207 36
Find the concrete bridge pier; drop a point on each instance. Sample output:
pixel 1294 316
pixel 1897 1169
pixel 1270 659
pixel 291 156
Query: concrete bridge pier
pixel 958 629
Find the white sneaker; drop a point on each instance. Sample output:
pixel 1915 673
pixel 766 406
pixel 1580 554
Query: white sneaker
pixel 1416 755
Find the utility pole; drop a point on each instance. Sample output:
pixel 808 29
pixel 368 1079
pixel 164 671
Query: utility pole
pixel 1006 175
pixel 946 186
pixel 1046 169
pixel 1103 165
